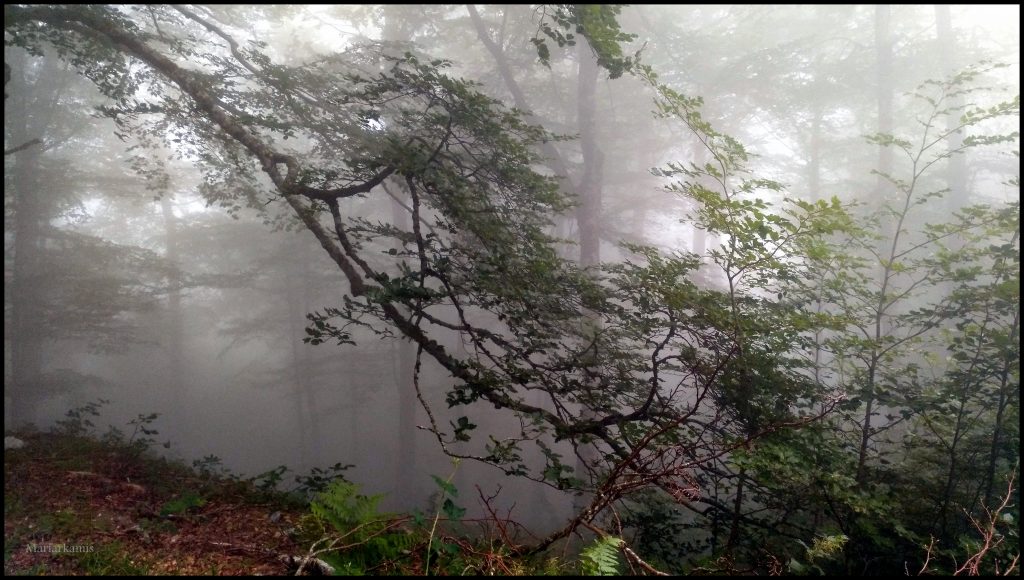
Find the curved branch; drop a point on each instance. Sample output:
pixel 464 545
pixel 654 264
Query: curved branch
pixel 22 147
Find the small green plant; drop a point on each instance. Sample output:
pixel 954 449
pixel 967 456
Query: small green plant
pixel 78 420
pixel 553 566
pixel 319 479
pixel 142 434
pixel 601 558
pixel 209 466
pixel 269 480
pixel 363 538
pixel 452 511
pixel 182 504
pixel 60 522
pixel 821 551
pixel 72 522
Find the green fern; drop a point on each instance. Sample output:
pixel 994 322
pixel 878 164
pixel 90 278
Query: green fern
pixel 602 557
pixel 354 515
pixel 341 506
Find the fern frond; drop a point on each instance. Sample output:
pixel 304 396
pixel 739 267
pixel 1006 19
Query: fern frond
pixel 602 557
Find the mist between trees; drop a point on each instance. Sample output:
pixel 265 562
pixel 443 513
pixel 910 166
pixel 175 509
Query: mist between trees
pixel 736 284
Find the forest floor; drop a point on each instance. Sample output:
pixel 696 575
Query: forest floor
pixel 74 505
pixel 79 505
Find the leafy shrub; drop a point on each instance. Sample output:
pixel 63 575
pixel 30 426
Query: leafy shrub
pixel 209 466
pixel 78 421
pixel 823 550
pixel 319 479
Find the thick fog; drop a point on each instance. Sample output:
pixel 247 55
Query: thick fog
pixel 131 277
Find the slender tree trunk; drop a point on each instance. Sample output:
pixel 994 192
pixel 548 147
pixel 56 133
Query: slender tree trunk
pixel 588 213
pixel 551 153
pixel 814 194
pixel 884 92
pixel 1004 394
pixel 28 336
pixel 955 199
pixel 865 427
pixel 299 289
pixel 173 338
pixel 737 510
pixel 814 155
pixel 306 360
pixel 396 29
pixel 699 244
pixel 956 168
pixel 299 379
pixel 951 472
pixel 28 340
pixel 554 159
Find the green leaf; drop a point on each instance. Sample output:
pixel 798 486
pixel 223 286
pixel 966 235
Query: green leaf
pixel 445 486
pixel 452 511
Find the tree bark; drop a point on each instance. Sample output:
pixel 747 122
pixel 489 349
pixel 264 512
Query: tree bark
pixel 884 94
pixel 30 206
pixel 956 166
pixel 588 212
pixel 173 337
pixel 396 29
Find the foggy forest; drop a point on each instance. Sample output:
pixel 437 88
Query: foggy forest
pixel 511 289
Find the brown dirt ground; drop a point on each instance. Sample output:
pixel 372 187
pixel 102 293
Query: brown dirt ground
pixel 111 507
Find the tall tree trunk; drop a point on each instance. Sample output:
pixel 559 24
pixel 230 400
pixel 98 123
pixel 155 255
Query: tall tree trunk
pixel 884 93
pixel 28 339
pixel 28 336
pixel 298 289
pixel 954 200
pixel 1005 384
pixel 173 337
pixel 952 473
pixel 737 511
pixel 699 246
pixel 551 156
pixel 308 384
pixel 814 154
pixel 956 168
pixel 396 29
pixel 551 153
pixel 299 377
pixel 814 194
pixel 588 212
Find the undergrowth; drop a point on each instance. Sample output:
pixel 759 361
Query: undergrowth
pixel 329 524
